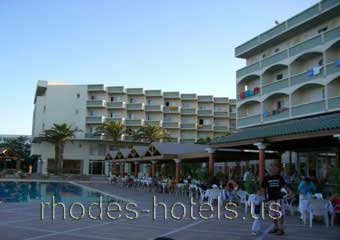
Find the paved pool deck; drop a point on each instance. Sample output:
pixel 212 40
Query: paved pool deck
pixel 21 221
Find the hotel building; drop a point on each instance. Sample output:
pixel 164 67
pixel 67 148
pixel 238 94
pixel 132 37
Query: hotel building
pixel 185 117
pixel 292 70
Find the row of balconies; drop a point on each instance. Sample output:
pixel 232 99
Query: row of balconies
pixel 301 78
pixel 300 110
pixel 285 26
pixel 164 124
pixel 305 46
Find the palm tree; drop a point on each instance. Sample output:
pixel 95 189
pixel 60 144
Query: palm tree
pixel 151 133
pixel 58 135
pixel 113 130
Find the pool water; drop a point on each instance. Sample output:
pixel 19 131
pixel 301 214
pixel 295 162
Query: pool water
pixel 24 192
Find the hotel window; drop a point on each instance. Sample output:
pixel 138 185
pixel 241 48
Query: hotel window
pixel 246 87
pixel 201 121
pixel 91 113
pixel 78 95
pixel 167 103
pixel 324 29
pixel 277 49
pixel 113 115
pixel 112 99
pixel 43 126
pixel 279 76
pixel 320 62
pixel 149 101
pixel 44 108
pixel 77 111
pixel 132 100
pixel 279 104
pixel 264 55
pixel 93 97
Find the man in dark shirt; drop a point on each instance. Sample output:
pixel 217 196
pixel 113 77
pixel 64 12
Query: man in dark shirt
pixel 272 185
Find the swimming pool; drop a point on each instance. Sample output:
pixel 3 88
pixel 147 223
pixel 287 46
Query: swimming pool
pixel 35 191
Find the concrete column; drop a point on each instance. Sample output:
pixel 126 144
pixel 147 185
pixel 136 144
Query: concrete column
pixel 106 168
pixel 178 170
pixel 136 169
pixel 153 168
pixel 85 167
pixel 261 146
pixel 211 164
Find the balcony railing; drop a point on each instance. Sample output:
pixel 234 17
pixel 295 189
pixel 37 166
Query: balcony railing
pixel 332 68
pixel 188 96
pixel 188 126
pixel 221 100
pixel 188 140
pixel 91 119
pixel 204 127
pixel 171 109
pixel 153 108
pixel 133 122
pixel 221 114
pixel 275 86
pixel 306 45
pixel 188 111
pixel 115 89
pixel 115 105
pixel 296 20
pixel 205 98
pixel 95 87
pixel 205 112
pixel 332 34
pixel 304 77
pixel 276 116
pixel 134 91
pixel 220 128
pixel 153 93
pixel 152 122
pixel 134 106
pixel 170 124
pixel 232 115
pixel 334 103
pixel 308 108
pixel 248 69
pixel 120 119
pixel 249 120
pixel 275 58
pixel 248 93
pixel 171 95
pixel 95 103
pixel 94 136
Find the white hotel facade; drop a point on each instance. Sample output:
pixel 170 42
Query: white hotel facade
pixel 186 118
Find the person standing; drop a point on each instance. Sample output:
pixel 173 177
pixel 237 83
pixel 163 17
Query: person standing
pixel 272 186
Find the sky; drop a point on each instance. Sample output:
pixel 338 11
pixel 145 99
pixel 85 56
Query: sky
pixel 172 45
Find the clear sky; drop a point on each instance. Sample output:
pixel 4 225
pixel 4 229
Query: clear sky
pixel 173 45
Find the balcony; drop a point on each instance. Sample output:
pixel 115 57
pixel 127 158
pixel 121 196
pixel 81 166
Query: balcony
pixel 153 93
pixel 333 68
pixel 275 86
pixel 221 114
pixel 115 105
pixel 205 127
pixel 171 109
pixel 220 129
pixel 119 90
pixel 95 88
pixel 334 103
pixel 205 99
pixel 152 123
pixel 332 34
pixel 248 93
pixel 205 112
pixel 134 91
pixel 120 119
pixel 276 115
pixel 188 111
pixel 170 125
pixel 247 70
pixel 188 126
pixel 135 106
pixel 274 58
pixel 171 95
pixel 191 97
pixel 306 76
pixel 289 24
pixel 153 108
pixel 249 120
pixel 232 115
pixel 188 140
pixel 220 100
pixel 308 108
pixel 134 122
pixel 94 136
pixel 95 103
pixel 95 120
pixel 305 46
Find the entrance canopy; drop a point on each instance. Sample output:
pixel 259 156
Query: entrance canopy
pixel 318 133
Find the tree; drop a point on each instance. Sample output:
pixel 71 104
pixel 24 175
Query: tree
pixel 151 133
pixel 59 135
pixel 113 130
pixel 20 147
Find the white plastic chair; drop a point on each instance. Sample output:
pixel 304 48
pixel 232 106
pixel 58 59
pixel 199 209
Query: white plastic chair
pixel 318 196
pixel 288 201
pixel 318 207
pixel 202 194
pixel 213 194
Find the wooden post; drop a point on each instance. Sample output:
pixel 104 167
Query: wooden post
pixel 261 146
pixel 136 169
pixel 211 164
pixel 122 170
pixel 153 168
pixel 338 159
pixel 113 168
pixel 178 170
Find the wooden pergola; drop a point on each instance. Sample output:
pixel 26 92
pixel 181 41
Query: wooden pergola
pixel 8 159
